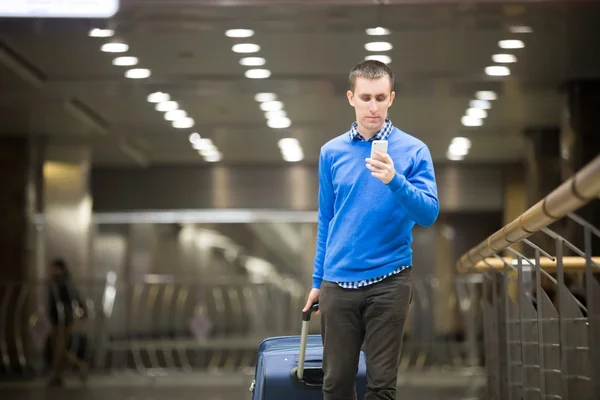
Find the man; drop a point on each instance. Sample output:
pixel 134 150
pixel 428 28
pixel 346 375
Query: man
pixel 367 209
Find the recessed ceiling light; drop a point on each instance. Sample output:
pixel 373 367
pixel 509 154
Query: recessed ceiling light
pixel 239 33
pixel 292 154
pixel 137 73
pixel 379 31
pixel 203 144
pixel 263 97
pixel 114 47
pixel 287 143
pixel 520 29
pixel 477 113
pixel 486 95
pixel 252 61
pixel 504 58
pixel 497 70
pixel 471 121
pixel 279 123
pixel 275 114
pixel 213 157
pixel 206 151
pixel 245 48
pixel 257 73
pixel 453 157
pixel 125 61
pixel 458 149
pixel 511 44
pixel 378 46
pixel 174 115
pixel 380 57
pixel 462 142
pixel 271 105
pixel 101 33
pixel 158 97
pixel 165 106
pixel 483 104
pixel 195 137
pixel 183 123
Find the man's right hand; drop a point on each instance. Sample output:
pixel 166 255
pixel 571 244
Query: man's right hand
pixel 313 297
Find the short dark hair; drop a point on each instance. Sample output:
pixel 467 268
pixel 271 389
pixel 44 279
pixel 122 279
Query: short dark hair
pixel 370 69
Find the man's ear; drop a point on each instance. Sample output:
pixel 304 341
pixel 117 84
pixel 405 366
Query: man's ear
pixel 350 96
pixel 392 97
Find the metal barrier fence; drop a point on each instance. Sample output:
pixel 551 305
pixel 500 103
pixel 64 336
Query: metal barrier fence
pixel 167 324
pixel 542 337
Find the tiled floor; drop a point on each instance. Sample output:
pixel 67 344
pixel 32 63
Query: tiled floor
pixel 223 387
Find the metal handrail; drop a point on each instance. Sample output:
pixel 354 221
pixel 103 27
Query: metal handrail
pixel 571 195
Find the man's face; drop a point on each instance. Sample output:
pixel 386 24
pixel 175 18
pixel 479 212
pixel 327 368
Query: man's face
pixel 371 100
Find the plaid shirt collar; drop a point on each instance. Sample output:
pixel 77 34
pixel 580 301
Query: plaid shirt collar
pixel 382 134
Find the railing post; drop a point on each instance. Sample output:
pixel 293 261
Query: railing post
pixel 561 322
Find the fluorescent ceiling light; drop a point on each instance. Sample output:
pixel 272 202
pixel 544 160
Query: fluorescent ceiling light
pixel 483 104
pixel 511 44
pixel 279 123
pixel 257 73
pixel 486 95
pixel 520 29
pixel 137 73
pixel 462 142
pixel 252 61
pixel 158 97
pixel 471 121
pixel 195 138
pixel 477 113
pixel 504 58
pixel 165 106
pixel 245 48
pixel 125 61
pixel 114 47
pixel 380 57
pixel 239 33
pixel 174 115
pixel 271 106
pixel 379 31
pixel 264 97
pixel 378 46
pixel 275 114
pixel 101 33
pixel 497 70
pixel 183 123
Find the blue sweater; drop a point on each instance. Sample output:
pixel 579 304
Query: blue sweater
pixel 364 225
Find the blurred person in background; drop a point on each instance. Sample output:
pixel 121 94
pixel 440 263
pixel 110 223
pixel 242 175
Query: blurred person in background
pixel 65 308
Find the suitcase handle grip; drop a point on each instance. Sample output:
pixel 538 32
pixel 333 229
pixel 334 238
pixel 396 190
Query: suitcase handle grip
pixel 306 314
pixel 303 337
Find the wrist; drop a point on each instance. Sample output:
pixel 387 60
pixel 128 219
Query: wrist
pixel 397 182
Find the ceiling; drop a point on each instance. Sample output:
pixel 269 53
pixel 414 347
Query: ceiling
pixel 57 84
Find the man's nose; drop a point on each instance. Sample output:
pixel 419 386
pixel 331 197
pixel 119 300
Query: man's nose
pixel 373 106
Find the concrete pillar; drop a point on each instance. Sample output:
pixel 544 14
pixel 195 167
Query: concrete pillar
pixel 542 174
pixel 68 207
pixel 579 144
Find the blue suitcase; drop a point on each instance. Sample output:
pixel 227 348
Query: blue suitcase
pixel 290 367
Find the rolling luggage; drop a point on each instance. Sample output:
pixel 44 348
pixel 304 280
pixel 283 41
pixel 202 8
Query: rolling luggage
pixel 290 367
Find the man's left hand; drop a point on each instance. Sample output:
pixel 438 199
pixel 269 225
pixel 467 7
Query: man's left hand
pixel 382 167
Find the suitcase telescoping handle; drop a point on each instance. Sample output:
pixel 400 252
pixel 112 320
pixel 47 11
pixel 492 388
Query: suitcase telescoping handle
pixel 303 337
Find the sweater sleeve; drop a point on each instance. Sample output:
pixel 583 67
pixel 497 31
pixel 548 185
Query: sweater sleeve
pixel 325 214
pixel 417 192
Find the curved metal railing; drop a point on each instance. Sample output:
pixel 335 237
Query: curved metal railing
pixel 541 315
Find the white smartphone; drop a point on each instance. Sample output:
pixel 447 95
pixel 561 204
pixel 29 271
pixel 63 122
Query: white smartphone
pixel 378 145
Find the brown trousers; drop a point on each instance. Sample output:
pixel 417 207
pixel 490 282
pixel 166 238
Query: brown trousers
pixel 372 316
